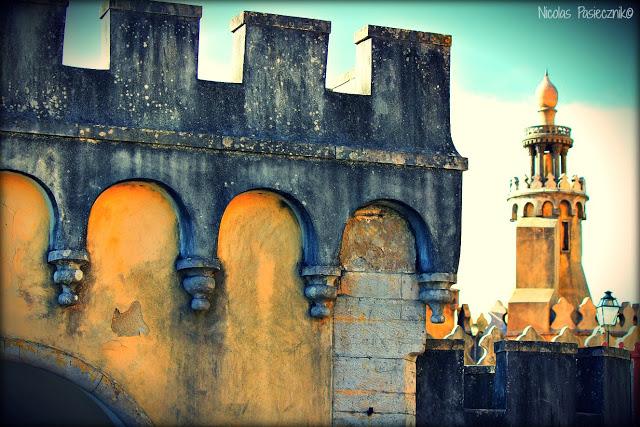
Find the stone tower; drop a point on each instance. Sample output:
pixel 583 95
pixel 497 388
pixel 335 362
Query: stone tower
pixel 548 208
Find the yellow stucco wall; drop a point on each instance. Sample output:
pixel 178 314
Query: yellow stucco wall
pixel 276 367
pixel 27 291
pixel 256 356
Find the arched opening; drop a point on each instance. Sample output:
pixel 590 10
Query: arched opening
pixel 25 278
pixel 274 366
pixel 547 209
pixel 528 210
pixel 514 212
pixel 580 210
pixel 131 303
pixel 565 209
pixel 378 255
pixel 34 396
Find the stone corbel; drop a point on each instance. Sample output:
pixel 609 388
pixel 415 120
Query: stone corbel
pixel 198 280
pixel 68 274
pixel 321 288
pixel 434 291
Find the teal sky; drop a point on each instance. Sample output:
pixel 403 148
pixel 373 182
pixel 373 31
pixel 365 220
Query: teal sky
pixel 499 49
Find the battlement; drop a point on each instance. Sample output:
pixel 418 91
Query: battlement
pixel 279 80
pixel 562 183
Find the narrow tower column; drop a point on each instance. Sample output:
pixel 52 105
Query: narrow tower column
pixel 548 247
pixel 556 168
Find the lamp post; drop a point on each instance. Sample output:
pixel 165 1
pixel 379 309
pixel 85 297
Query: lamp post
pixel 607 312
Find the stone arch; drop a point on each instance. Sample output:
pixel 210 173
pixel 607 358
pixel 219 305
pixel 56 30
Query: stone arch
pixel 129 310
pixel 417 227
pixel 28 214
pixel 308 232
pixel 88 377
pixel 547 209
pixel 528 210
pixel 379 322
pixel 48 196
pixel 565 208
pixel 185 223
pixel 514 212
pixel 274 360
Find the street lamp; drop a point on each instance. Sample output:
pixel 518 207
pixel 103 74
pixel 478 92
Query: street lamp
pixel 607 312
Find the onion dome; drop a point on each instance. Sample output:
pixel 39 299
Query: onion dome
pixel 546 93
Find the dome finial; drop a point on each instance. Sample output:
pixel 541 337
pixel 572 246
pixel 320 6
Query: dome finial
pixel 547 97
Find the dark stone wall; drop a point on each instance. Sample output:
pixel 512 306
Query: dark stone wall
pixel 440 384
pixel 152 81
pixel 478 386
pixel 604 386
pixel 536 382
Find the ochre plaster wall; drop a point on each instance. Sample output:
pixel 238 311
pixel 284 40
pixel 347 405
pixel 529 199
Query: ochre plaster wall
pixel 276 363
pixel 27 290
pixel 255 357
pixel 132 296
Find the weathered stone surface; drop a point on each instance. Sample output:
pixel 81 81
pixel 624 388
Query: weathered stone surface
pixel 367 373
pixel 371 285
pixel 535 382
pixel 357 419
pixel 393 338
pixel 604 385
pixel 440 384
pixel 382 402
pixel 479 386
pixel 374 231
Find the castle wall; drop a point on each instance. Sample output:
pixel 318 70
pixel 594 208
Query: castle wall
pixel 198 232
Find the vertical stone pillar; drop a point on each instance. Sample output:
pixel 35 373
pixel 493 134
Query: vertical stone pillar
pixel 440 384
pixel 563 156
pixel 540 149
pixel 556 166
pixel 536 382
pixel 379 328
pixel 532 157
pixel 604 386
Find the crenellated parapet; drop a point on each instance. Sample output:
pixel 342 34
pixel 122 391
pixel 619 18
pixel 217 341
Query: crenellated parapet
pixel 276 127
pixel 279 69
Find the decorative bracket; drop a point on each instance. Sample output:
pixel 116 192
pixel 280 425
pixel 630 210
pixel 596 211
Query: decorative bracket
pixel 434 291
pixel 68 274
pixel 198 280
pixel 321 288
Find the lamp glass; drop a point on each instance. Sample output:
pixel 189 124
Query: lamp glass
pixel 607 310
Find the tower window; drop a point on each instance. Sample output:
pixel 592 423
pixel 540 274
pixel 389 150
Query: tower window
pixel 565 236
